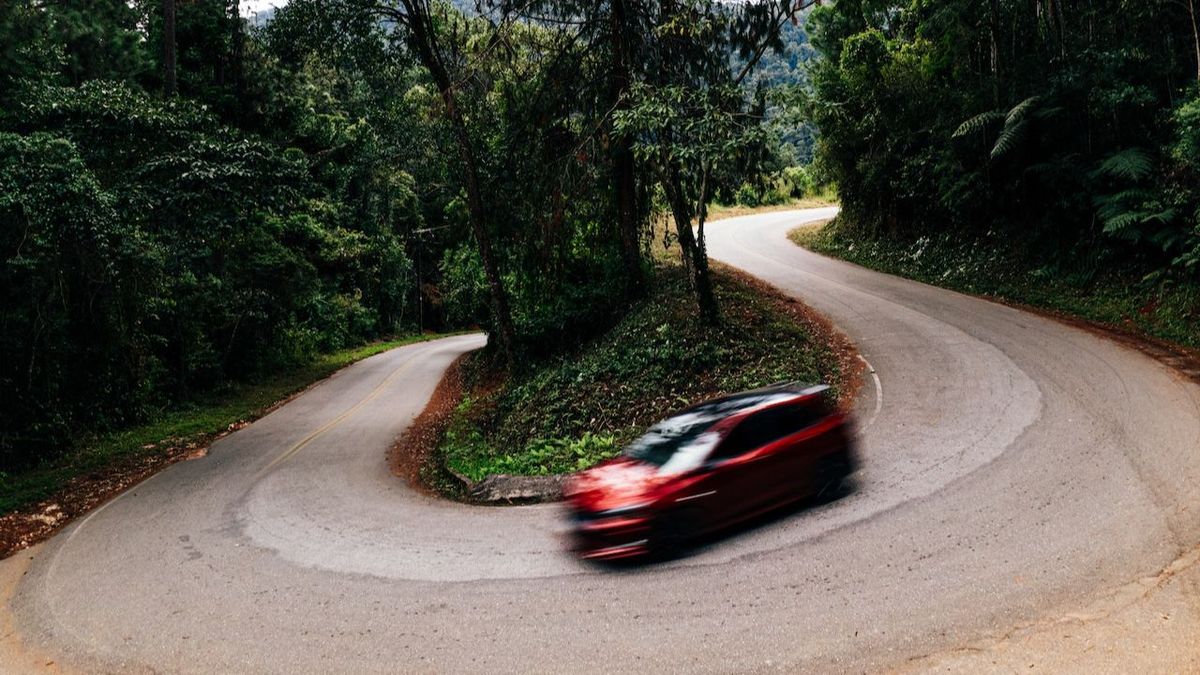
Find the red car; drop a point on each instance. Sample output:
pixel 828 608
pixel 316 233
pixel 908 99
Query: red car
pixel 710 466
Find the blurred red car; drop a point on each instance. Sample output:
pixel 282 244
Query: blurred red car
pixel 710 466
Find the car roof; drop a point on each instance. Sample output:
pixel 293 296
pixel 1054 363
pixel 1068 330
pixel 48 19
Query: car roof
pixel 734 404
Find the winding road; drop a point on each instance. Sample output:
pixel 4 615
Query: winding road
pixel 1021 480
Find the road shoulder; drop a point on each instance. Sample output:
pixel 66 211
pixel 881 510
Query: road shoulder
pixel 1151 625
pixel 1179 358
pixel 14 654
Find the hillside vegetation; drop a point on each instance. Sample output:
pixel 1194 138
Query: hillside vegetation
pixel 1058 139
pixel 192 201
pixel 569 412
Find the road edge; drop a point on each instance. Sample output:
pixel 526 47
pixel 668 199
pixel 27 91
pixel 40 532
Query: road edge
pixel 13 651
pixel 1178 358
pixel 1149 625
pixel 39 522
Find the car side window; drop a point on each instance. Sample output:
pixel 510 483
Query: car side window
pixel 765 427
pixel 807 414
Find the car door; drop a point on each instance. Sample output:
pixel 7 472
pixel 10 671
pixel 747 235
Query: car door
pixel 747 467
pixel 800 447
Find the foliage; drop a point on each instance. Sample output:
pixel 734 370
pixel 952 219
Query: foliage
pixel 783 75
pixel 153 252
pixel 1183 151
pixel 464 288
pixel 791 184
pixel 1062 125
pixel 71 274
pixel 346 171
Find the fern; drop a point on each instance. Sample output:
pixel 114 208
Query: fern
pixel 1167 238
pixel 1009 139
pixel 1123 224
pixel 1133 164
pixel 1128 196
pixel 1020 110
pixel 977 123
pixel 1048 113
pixel 1013 132
pixel 1136 214
pixel 1163 217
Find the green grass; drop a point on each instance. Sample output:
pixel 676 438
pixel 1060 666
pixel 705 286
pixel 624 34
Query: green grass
pixel 722 211
pixel 1085 287
pixel 194 423
pixel 568 413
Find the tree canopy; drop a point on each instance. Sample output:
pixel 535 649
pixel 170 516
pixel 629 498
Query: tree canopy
pixel 188 200
pixel 1066 125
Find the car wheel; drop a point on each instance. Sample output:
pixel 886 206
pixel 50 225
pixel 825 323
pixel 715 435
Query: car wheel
pixel 831 475
pixel 672 534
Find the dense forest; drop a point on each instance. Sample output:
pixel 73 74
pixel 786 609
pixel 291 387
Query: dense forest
pixel 1063 133
pixel 189 198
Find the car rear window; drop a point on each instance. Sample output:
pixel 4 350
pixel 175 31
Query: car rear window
pixel 768 426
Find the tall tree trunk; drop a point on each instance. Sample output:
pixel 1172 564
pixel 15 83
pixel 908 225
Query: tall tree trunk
pixel 625 182
pixel 627 218
pixel 1195 35
pixel 170 83
pixel 237 54
pixel 704 290
pixel 424 40
pixel 1056 19
pixel 994 29
pixel 692 252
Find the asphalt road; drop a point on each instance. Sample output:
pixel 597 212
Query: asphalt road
pixel 1014 470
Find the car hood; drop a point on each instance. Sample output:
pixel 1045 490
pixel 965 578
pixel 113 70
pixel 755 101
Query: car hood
pixel 615 484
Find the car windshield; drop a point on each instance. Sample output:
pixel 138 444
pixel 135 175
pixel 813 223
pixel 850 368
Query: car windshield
pixel 666 438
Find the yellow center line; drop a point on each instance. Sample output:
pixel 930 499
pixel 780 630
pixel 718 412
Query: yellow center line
pixel 300 445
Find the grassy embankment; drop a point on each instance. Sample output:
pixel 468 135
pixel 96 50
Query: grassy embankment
pixel 723 211
pixel 1079 289
pixel 570 412
pixel 176 431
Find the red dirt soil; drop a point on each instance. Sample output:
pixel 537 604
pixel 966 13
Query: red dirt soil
pixel 416 448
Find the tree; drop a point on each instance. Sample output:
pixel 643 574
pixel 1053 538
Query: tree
pixel 1045 122
pixel 170 80
pixel 621 27
pixel 1191 10
pixel 419 22
pixel 417 17
pixel 691 119
pixel 609 36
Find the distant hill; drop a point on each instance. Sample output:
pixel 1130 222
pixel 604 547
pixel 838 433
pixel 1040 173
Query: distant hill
pixel 261 17
pixel 789 68
pixel 785 68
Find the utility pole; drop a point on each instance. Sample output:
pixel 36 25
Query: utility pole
pixel 420 295
pixel 420 234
